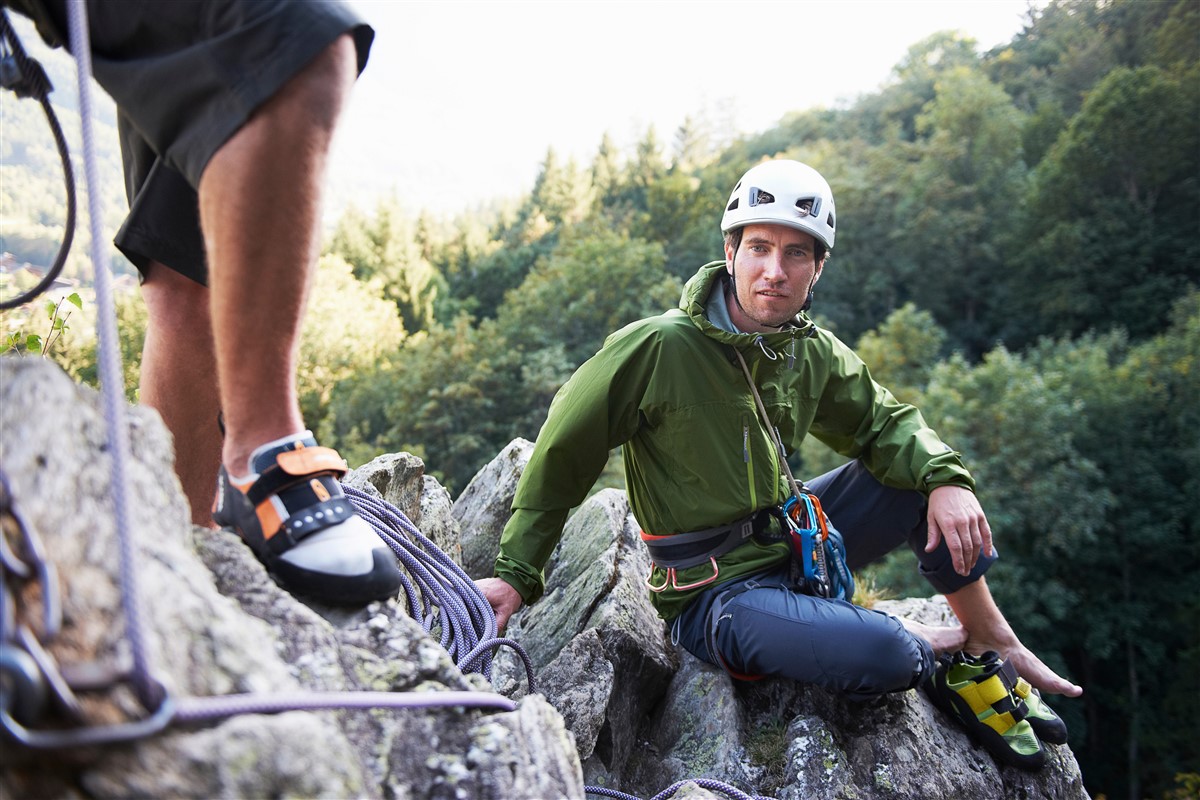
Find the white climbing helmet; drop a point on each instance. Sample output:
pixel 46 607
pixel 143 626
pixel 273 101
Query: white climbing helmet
pixel 782 193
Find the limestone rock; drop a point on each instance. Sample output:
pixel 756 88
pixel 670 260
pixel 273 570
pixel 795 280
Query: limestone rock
pixel 485 505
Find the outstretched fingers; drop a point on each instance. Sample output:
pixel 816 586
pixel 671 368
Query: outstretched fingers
pixel 1040 676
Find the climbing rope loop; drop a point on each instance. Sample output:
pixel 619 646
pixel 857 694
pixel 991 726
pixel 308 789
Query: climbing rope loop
pixel 444 598
pixel 26 78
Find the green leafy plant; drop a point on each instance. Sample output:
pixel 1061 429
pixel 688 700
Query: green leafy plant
pixel 767 747
pixel 20 341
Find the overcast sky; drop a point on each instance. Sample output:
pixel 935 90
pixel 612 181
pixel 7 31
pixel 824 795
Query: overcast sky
pixel 461 99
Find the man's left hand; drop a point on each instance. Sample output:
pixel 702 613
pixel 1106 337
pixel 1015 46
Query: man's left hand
pixel 956 516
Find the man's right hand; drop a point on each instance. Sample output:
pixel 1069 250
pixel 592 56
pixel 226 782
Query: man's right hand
pixel 504 599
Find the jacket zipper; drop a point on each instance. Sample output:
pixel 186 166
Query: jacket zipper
pixel 749 463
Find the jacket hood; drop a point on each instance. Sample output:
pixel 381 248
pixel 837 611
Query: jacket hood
pixel 694 302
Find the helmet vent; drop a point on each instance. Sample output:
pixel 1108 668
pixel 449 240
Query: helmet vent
pixel 732 206
pixel 760 198
pixel 805 206
pixel 829 221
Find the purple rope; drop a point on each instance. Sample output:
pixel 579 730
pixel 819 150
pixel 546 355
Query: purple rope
pixel 108 356
pixel 468 623
pixel 198 709
pixel 490 644
pixel 704 783
pixel 425 567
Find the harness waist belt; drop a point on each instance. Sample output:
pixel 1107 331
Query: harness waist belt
pixel 683 550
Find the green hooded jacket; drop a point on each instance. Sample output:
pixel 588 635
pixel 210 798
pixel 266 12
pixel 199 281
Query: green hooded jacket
pixel 669 391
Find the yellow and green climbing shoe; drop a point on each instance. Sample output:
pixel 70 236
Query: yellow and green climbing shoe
pixel 981 694
pixel 1046 725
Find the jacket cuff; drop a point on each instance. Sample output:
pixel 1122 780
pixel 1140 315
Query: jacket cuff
pixel 946 470
pixel 528 582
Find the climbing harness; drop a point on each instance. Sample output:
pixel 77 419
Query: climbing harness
pixel 691 549
pixel 25 77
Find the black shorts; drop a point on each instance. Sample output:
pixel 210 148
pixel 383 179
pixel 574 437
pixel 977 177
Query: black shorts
pixel 185 76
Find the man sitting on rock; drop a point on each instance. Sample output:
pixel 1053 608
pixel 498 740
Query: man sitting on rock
pixel 702 469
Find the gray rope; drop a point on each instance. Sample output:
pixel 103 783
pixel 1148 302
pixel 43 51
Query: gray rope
pixel 448 598
pixel 704 783
pixel 196 709
pixel 108 356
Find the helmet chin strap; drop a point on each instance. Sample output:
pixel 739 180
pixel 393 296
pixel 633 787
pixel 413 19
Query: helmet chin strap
pixel 733 285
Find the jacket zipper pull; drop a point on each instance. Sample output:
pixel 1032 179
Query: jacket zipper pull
pixel 746 443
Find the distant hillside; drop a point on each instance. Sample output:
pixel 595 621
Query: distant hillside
pixel 32 192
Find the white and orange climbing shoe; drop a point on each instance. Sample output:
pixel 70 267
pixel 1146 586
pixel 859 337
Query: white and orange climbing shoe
pixel 292 513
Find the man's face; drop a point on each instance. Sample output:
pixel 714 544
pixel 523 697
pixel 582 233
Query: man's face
pixel 775 268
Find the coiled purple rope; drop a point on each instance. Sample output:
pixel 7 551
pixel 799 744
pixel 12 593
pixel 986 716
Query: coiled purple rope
pixel 445 596
pixel 703 783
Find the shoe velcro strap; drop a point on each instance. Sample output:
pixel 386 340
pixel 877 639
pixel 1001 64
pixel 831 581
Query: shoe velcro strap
pixel 310 460
pixel 315 518
pixel 1018 687
pixel 288 472
pixel 995 690
pixel 1000 723
pixel 986 694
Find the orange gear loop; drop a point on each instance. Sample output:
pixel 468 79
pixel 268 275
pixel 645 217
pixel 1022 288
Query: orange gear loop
pixel 672 579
